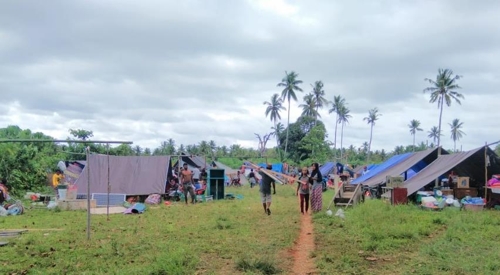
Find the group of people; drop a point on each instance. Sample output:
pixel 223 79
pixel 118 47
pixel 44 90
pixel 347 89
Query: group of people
pixel 188 181
pixel 309 188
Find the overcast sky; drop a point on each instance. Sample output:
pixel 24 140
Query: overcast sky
pixel 146 71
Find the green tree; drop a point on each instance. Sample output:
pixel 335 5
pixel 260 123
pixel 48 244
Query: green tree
pixel 414 127
pixel 443 90
pixel 373 116
pixel 319 97
pixel 434 134
pixel 337 104
pixel 315 144
pixel 277 131
pixel 456 132
pixel 273 109
pixel 291 85
pixel 309 107
pixel 343 118
pixel 81 134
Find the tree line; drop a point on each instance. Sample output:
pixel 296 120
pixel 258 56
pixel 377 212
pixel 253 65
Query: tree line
pixel 442 90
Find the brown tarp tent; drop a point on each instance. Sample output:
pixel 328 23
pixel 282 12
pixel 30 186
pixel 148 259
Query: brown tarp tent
pixel 130 175
pixel 470 163
pixel 428 156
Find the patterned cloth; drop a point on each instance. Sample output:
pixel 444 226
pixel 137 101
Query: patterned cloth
pixel 316 197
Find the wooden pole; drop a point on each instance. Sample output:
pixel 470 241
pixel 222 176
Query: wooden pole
pixel 486 171
pixel 109 185
pixel 88 192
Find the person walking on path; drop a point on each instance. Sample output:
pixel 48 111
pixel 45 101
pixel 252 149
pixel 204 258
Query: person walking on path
pixel 317 189
pixel 265 190
pixel 303 190
pixel 252 179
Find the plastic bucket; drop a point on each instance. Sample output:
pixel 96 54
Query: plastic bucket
pixel 62 193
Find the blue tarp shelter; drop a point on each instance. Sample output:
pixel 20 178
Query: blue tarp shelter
pixel 277 167
pixel 382 167
pixel 327 168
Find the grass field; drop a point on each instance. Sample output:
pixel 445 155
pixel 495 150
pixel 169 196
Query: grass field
pixel 235 237
pixel 220 237
pixel 376 238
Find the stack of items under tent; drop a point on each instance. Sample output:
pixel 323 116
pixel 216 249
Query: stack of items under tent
pixel 494 198
pixel 7 205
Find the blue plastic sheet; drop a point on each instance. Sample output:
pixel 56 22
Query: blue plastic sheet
pixel 382 167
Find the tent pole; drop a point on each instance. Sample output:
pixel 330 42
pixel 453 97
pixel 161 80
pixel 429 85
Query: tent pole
pixel 486 171
pixel 88 192
pixel 109 186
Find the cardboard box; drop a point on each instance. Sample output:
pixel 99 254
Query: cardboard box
pixel 394 182
pixel 463 182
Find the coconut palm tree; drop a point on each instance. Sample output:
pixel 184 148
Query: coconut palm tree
pixel 273 109
pixel 291 85
pixel 456 132
pixel 309 106
pixel 434 134
pixel 414 127
pixel 373 116
pixel 337 104
pixel 319 97
pixel 443 90
pixel 344 116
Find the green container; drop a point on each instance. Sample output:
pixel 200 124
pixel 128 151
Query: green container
pixel 62 187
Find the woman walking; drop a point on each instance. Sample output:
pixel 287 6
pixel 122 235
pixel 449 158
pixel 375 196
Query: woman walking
pixel 317 189
pixel 303 189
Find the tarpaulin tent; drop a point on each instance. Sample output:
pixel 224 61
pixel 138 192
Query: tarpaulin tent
pixel 382 167
pixel 327 168
pixel 277 167
pixel 470 163
pixel 415 162
pixel 131 175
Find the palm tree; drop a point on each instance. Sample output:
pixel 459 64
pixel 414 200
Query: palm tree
pixel 337 104
pixel 456 132
pixel 273 109
pixel 291 85
pixel 414 127
pixel 373 116
pixel 277 130
pixel 319 97
pixel 309 106
pixel 443 90
pixel 434 134
pixel 213 148
pixel 344 116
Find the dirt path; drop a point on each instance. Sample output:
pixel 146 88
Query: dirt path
pixel 304 246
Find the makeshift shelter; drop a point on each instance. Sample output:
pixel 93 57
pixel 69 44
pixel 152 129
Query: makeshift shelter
pixel 407 167
pixel 130 175
pixel 470 163
pixel 277 167
pixel 327 168
pixel 381 168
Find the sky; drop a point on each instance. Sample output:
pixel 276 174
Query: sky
pixel 147 71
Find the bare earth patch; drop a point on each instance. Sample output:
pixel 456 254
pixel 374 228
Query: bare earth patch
pixel 304 246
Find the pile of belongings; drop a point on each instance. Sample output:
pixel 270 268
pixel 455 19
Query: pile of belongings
pixel 12 209
pixel 438 201
pixel 473 201
pixel 7 208
pixel 494 181
pixel 153 199
pixel 134 207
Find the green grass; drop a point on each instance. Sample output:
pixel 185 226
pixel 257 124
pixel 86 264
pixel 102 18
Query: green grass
pixel 236 237
pixel 377 238
pixel 236 163
pixel 220 237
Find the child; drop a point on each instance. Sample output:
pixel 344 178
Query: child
pixel 303 190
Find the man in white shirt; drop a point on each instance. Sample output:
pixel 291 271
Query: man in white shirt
pixel 196 175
